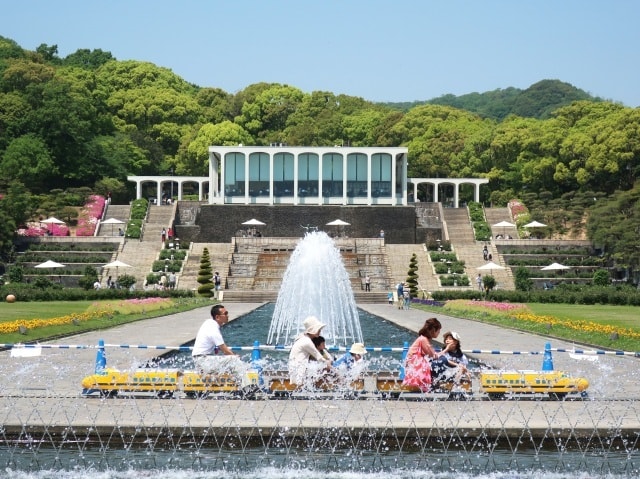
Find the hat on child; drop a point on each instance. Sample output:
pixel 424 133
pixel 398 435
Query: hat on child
pixel 312 325
pixel 358 348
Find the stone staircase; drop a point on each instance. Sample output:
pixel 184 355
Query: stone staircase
pixel 159 217
pixel 399 256
pixel 495 216
pixel 138 254
pixel 256 266
pixel 255 276
pixel 469 250
pixel 118 212
pixel 220 255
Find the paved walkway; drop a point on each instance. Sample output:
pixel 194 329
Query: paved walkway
pixel 607 374
pixel 43 393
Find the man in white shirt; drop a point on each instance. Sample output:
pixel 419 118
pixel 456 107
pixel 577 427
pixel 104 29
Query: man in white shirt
pixel 209 343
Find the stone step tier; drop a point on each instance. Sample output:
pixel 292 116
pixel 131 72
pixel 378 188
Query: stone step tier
pixel 271 296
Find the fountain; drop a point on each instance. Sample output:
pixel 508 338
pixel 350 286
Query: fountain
pixel 316 283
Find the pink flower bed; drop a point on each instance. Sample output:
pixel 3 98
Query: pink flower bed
pixel 496 306
pixel 89 216
pixel 36 229
pixel 517 208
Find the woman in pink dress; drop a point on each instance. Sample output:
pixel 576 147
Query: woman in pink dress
pixel 417 368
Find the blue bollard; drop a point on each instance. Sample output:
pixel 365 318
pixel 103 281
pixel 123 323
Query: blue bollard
pixel 405 351
pixel 255 361
pixel 101 358
pixel 547 360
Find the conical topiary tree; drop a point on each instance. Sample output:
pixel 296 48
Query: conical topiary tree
pixel 205 275
pixel 412 276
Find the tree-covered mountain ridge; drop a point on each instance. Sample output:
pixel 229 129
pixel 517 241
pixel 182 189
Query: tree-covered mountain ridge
pixel 539 101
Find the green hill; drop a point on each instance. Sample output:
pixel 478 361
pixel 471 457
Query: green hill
pixel 537 101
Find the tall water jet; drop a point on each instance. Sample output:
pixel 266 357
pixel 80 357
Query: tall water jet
pixel 316 283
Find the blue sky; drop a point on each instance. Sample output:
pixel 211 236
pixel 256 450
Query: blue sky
pixel 402 50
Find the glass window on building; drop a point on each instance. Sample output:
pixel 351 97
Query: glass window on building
pixel 357 173
pixel 283 174
pixel 234 174
pixel 381 175
pixel 332 175
pixel 308 174
pixel 258 174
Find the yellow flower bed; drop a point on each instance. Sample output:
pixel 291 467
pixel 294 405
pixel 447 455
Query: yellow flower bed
pixel 96 311
pixel 14 326
pixel 579 325
pixel 520 312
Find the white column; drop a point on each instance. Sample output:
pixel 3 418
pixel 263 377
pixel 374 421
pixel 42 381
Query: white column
pixel 369 202
pixel 415 191
pixel 159 192
pixel 436 185
pixel 295 178
pixel 138 189
pixel 271 178
pixel 246 179
pixel 344 179
pixel 404 183
pixel 476 192
pixel 393 179
pixel 320 161
pixel 456 191
pixel 213 184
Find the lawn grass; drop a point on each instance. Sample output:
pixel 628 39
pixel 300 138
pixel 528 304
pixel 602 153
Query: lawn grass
pixel 118 312
pixel 595 326
pixel 623 316
pixel 41 309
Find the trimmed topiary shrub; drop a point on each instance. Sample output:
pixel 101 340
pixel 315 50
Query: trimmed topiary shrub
pixel 205 275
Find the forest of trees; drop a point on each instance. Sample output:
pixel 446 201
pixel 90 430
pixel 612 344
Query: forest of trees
pixel 89 120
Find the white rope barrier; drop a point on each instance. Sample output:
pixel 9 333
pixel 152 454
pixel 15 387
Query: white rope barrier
pixel 264 347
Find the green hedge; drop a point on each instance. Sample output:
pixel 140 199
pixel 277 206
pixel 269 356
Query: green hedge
pixel 31 292
pixel 565 293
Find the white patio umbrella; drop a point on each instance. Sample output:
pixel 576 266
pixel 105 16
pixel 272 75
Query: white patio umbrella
pixel 503 225
pixel 49 264
pixel 254 222
pixel 112 221
pixel 555 267
pixel 338 223
pixel 117 264
pixel 489 267
pixel 52 221
pixel 535 224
